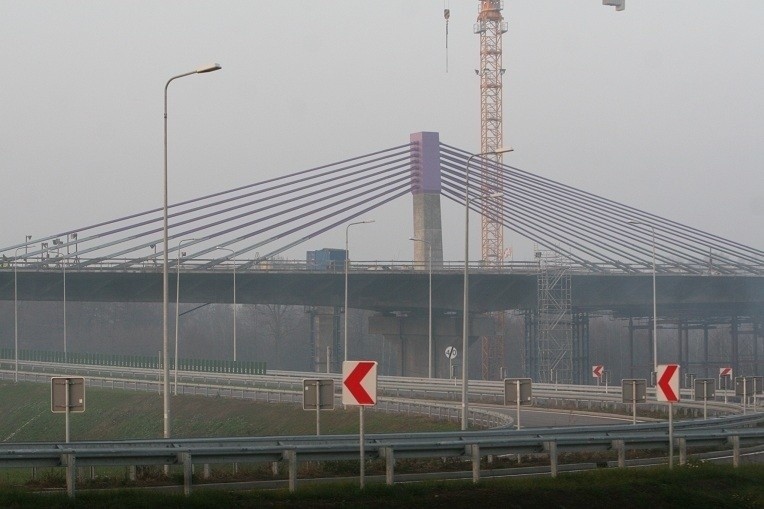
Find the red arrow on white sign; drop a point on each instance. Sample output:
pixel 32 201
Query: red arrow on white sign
pixel 359 383
pixel 597 371
pixel 667 388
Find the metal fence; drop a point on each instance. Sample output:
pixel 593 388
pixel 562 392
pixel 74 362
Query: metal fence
pixel 7 357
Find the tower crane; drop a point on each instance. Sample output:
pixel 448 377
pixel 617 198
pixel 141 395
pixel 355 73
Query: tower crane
pixel 490 26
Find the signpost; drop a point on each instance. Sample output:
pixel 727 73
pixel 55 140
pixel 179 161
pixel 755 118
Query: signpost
pixel 517 391
pixel 634 390
pixel 725 373
pixel 318 394
pixel 747 386
pixel 704 390
pixel 451 353
pixel 67 394
pixel 359 388
pixel 758 388
pixel 667 389
pixel 597 372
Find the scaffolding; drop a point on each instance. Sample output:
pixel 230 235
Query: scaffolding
pixel 554 347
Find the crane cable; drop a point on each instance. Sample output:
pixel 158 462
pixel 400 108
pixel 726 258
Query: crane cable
pixel 446 15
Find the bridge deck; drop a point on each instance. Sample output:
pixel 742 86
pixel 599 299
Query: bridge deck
pixel 398 290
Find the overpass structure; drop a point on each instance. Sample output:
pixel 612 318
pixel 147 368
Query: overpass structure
pixel 594 255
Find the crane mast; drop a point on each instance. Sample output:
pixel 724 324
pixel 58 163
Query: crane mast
pixel 490 26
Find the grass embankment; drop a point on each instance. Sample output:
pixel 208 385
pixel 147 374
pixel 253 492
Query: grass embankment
pixel 695 487
pixel 25 416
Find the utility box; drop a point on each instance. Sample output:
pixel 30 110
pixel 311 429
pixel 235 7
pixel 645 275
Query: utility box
pixel 327 259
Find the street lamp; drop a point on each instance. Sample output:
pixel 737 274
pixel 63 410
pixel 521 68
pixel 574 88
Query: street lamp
pixel 347 262
pixel 63 270
pixel 165 281
pixel 466 315
pixel 233 257
pixel 429 320
pixel 655 302
pixel 62 258
pixel 177 314
pixel 16 311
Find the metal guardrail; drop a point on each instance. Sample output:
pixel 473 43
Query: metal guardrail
pixel 468 446
pixel 56 264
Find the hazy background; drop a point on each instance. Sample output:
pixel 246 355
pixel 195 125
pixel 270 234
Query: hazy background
pixel 659 106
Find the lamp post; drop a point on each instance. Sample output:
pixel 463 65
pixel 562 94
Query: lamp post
pixel 63 270
pixel 655 301
pixel 16 312
pixel 233 257
pixel 429 319
pixel 466 313
pixel 177 314
pixel 165 280
pixel 347 262
pixel 62 258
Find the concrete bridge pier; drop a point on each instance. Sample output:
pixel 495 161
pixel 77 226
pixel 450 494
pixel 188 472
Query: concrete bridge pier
pixel 325 344
pixel 411 336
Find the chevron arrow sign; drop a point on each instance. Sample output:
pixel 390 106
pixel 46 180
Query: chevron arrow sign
pixel 667 388
pixel 359 383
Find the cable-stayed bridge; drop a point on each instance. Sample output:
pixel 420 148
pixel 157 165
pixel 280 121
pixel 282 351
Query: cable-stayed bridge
pixel 269 217
pixel 594 254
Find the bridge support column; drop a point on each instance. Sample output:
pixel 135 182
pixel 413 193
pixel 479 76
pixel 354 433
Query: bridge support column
pixel 581 348
pixel 631 347
pixel 325 338
pixel 651 344
pixel 758 333
pixel 734 338
pixel 705 350
pixel 681 345
pixel 411 334
pixel 425 188
pixel 683 332
pixel 531 340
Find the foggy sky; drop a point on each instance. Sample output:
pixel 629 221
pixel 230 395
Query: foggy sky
pixel 659 107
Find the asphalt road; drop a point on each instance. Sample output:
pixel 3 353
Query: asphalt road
pixel 532 417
